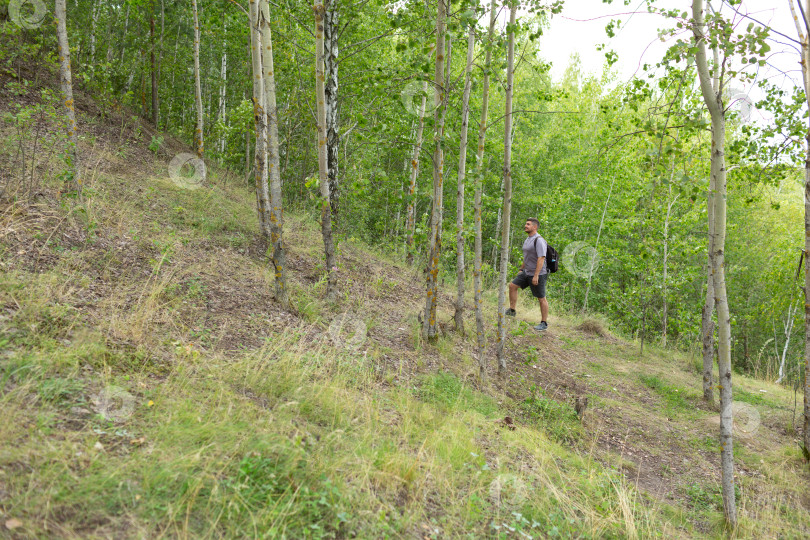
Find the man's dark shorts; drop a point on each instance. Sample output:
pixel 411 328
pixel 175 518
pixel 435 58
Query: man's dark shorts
pixel 524 280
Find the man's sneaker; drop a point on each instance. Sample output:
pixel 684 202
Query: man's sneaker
pixel 510 312
pixel 542 326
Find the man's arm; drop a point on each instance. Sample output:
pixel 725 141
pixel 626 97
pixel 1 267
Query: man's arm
pixel 540 262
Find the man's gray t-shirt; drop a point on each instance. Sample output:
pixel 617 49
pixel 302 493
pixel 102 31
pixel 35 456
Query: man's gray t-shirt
pixel 533 250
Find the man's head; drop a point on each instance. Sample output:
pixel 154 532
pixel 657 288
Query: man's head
pixel 531 226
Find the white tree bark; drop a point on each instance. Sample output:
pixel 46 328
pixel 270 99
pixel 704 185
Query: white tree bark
pixel 199 145
pixel 707 319
pixel 174 70
pixel 93 21
pixel 260 119
pixel 507 189
pixel 275 215
pixel 223 76
pixel 670 203
pixel 124 38
pixel 153 63
pixel 462 168
pixel 417 149
pixel 713 97
pixel 804 38
pixel 788 328
pixel 479 183
pixel 707 326
pixel 429 328
pixel 320 95
pixel 66 81
pixel 330 62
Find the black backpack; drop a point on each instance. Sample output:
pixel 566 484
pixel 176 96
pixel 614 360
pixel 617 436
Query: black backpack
pixel 552 259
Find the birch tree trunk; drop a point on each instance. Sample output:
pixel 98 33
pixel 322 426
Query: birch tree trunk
pixel 275 215
pixel 247 157
pixel 670 204
pixel 66 80
pixel 507 189
pixel 462 167
pixel 153 62
pixel 714 102
pixel 429 324
pixel 93 18
pixel 320 97
pixel 161 50
pixel 788 327
pixel 417 149
pixel 198 134
pixel 707 319
pixel 260 119
pixel 174 70
pixel 112 21
pixel 479 183
pixel 804 38
pixel 223 75
pixel 124 37
pixel 330 36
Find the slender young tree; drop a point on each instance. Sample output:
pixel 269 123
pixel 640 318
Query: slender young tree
pixel 713 98
pixel 66 80
pixel 410 225
pixel 275 216
pixel 707 326
pixel 429 328
pixel 707 317
pixel 479 183
pixel 260 119
pixel 94 9
pixel 153 62
pixel 787 326
pixel 320 97
pixel 665 287
pixel 507 187
pixel 462 167
pixel 198 133
pixel 803 31
pixel 330 63
pixel 223 85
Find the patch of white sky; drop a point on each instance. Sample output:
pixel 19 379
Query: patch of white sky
pixel 579 30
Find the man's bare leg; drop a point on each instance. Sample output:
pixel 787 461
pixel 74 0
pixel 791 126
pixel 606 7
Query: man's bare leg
pixel 513 294
pixel 544 308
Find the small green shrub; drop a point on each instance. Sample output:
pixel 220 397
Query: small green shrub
pixel 703 498
pixel 558 420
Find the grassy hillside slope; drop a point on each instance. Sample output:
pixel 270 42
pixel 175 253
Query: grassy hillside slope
pixel 151 388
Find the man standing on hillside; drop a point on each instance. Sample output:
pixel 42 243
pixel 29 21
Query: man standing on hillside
pixel 533 272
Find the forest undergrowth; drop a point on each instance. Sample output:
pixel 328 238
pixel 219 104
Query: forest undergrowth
pixel 151 387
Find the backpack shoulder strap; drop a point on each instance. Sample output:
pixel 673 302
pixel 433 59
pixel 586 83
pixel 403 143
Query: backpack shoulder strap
pixel 535 246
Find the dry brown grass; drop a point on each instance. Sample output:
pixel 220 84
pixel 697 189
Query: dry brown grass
pixel 592 327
